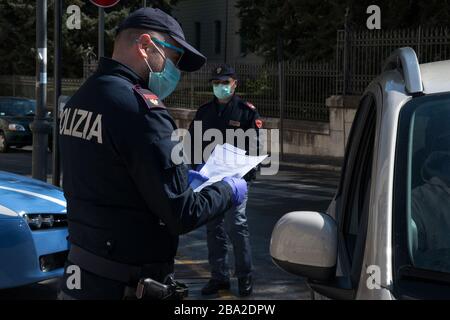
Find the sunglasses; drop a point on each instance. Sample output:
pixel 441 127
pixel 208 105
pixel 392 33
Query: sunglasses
pixel 170 46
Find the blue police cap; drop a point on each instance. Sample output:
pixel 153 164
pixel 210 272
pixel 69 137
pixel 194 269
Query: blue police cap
pixel 223 72
pixel 158 20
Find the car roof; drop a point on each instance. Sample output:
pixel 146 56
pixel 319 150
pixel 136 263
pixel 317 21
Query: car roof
pixel 435 77
pixel 403 77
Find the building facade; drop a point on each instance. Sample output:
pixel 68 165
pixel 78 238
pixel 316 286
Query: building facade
pixel 212 26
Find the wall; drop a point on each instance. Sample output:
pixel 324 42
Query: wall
pixel 206 12
pixel 305 138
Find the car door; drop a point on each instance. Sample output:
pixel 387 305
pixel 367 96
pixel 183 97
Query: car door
pixel 352 203
pixel 421 209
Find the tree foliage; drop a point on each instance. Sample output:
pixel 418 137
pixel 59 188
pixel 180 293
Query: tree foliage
pixel 307 28
pixel 18 33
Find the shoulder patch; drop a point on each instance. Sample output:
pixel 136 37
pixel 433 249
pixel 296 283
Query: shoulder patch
pixel 258 123
pixel 151 100
pixel 251 106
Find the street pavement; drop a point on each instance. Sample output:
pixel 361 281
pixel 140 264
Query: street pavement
pixel 270 197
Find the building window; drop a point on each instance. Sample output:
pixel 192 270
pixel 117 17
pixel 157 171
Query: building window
pixel 198 35
pixel 218 37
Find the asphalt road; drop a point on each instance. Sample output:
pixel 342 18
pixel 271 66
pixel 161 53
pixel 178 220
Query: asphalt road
pixel 270 197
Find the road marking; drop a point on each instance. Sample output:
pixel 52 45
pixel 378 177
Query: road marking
pixel 178 261
pixel 37 195
pixel 191 268
pixel 226 295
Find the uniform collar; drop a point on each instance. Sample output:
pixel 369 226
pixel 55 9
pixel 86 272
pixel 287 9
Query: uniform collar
pixel 113 67
pixel 232 101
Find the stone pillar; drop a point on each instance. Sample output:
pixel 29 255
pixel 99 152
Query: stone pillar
pixel 182 117
pixel 342 111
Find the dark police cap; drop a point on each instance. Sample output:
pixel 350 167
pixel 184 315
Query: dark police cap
pixel 223 72
pixel 158 20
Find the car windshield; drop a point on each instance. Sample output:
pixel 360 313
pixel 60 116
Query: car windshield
pixel 17 107
pixel 428 194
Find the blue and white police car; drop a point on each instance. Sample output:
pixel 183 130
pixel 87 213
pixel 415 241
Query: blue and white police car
pixel 33 231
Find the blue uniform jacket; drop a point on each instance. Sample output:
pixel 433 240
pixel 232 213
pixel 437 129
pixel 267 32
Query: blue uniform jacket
pixel 126 199
pixel 237 115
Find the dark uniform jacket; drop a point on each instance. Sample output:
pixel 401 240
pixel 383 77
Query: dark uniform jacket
pixel 237 114
pixel 126 200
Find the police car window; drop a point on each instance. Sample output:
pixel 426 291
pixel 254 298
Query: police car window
pixel 16 107
pixel 428 186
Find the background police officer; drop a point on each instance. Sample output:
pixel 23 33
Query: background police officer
pixel 225 112
pixel 127 201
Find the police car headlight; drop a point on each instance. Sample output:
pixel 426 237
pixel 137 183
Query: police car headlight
pixel 38 221
pixel 16 127
pixel 47 220
pixel 34 221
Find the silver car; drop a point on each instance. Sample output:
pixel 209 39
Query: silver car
pixel 386 234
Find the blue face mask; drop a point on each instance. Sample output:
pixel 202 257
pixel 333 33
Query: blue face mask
pixel 222 91
pixel 163 83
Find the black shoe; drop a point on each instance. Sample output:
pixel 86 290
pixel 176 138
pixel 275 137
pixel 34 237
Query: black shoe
pixel 213 286
pixel 245 286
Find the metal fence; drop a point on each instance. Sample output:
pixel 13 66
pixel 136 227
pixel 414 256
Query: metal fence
pixel 25 86
pixel 305 88
pixel 361 54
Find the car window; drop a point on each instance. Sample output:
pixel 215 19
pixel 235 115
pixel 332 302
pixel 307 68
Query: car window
pixel 428 186
pixel 17 107
pixel 353 197
pixel 359 184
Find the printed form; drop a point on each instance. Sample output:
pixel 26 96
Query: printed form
pixel 228 161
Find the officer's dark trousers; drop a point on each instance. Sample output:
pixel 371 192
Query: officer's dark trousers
pixel 92 287
pixel 232 227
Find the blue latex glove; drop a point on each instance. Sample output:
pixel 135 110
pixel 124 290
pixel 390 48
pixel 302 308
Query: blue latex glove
pixel 195 179
pixel 239 187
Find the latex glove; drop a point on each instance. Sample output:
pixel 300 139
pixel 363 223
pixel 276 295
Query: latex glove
pixel 239 187
pixel 195 179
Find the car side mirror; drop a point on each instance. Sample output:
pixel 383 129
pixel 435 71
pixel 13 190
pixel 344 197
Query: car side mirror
pixel 305 243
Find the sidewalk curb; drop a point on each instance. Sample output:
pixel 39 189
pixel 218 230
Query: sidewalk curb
pixel 304 165
pixel 316 166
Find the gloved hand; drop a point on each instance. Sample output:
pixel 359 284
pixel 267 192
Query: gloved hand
pixel 239 187
pixel 195 179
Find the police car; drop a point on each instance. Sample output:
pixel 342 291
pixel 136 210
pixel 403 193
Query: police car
pixel 33 231
pixel 386 233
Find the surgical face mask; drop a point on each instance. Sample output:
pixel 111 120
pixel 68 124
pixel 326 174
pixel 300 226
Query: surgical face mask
pixel 222 91
pixel 165 82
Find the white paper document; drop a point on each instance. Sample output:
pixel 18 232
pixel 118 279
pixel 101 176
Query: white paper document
pixel 228 161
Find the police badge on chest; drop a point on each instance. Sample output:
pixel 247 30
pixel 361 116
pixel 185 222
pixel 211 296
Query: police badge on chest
pixel 234 123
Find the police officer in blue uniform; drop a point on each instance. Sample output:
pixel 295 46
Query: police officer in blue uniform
pixel 127 200
pixel 227 111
